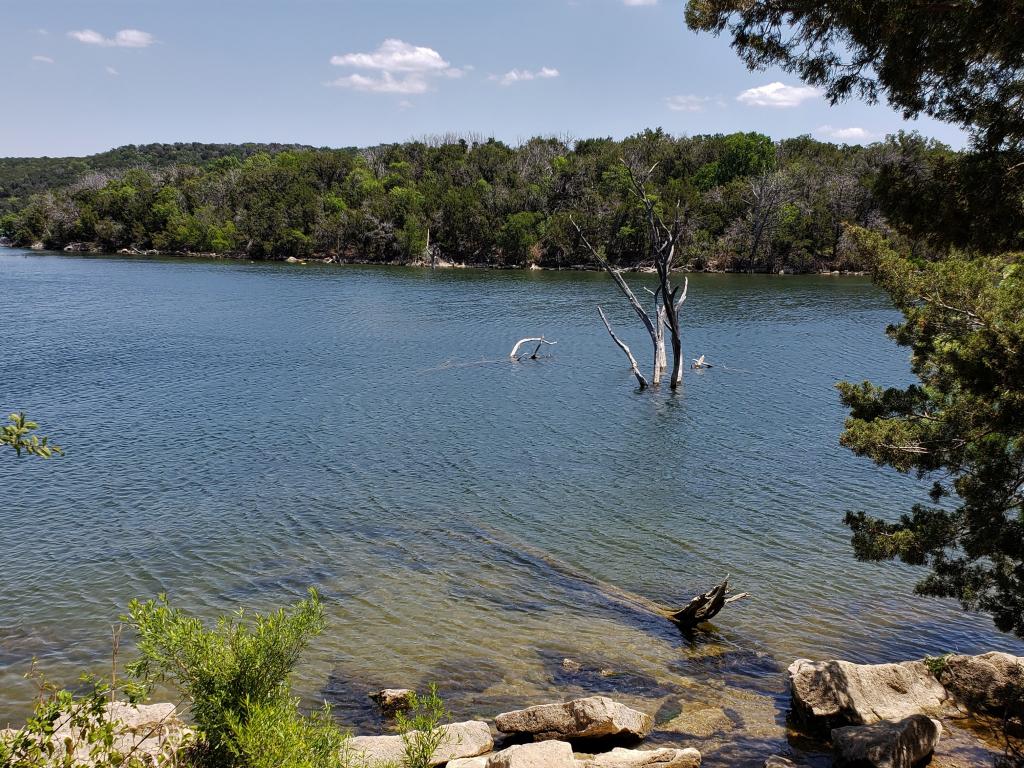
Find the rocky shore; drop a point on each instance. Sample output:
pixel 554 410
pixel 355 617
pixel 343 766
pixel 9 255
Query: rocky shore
pixel 877 715
pixel 321 258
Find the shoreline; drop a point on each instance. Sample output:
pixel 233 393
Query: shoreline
pixel 327 259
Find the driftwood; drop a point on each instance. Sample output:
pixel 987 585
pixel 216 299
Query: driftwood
pixel 703 607
pixel 514 354
pixel 700 609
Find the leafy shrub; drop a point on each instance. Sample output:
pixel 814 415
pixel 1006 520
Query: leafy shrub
pixel 276 735
pixel 422 728
pixel 235 675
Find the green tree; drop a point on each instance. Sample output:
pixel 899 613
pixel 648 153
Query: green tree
pixel 962 62
pixel 961 425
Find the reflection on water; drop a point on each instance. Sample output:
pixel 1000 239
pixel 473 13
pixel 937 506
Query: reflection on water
pixel 236 432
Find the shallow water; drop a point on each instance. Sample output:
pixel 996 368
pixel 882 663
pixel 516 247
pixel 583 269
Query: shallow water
pixel 236 432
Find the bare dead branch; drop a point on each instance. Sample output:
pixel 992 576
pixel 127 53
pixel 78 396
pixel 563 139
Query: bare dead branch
pixel 513 355
pixel 622 345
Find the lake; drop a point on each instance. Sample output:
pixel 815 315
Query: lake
pixel 236 432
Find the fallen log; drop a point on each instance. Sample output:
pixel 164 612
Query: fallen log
pixel 700 609
pixel 704 607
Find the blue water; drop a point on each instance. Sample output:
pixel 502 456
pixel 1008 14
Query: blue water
pixel 236 432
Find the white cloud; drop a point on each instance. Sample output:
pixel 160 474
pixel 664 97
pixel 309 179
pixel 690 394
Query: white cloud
pixel 395 67
pixel 43 59
pixel 395 56
pixel 777 95
pixel 525 75
pixel 640 2
pixel 112 71
pixel 386 83
pixel 851 135
pixel 125 38
pixel 687 102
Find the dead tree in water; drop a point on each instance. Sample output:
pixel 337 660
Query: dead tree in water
pixel 668 296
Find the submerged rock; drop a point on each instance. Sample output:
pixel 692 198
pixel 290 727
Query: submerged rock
pixel 644 758
pixel 592 717
pixel 393 700
pixel 886 744
pixel 546 754
pixel 467 739
pixel 992 683
pixel 778 761
pixel 836 692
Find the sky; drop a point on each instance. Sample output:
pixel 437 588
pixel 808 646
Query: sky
pixel 83 76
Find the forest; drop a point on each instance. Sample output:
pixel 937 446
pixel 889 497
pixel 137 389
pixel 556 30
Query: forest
pixel 749 203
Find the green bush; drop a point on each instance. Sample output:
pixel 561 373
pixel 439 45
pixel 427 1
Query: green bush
pixel 276 735
pixel 235 676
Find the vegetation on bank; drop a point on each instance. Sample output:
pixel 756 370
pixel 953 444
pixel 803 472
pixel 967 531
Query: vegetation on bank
pixel 233 680
pixel 751 204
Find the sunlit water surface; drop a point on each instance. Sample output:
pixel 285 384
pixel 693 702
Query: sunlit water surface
pixel 237 432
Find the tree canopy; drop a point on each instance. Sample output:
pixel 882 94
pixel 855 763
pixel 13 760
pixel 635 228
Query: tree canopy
pixel 757 204
pixel 962 425
pixel 962 62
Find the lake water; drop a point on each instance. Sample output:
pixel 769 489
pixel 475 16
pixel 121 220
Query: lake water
pixel 236 432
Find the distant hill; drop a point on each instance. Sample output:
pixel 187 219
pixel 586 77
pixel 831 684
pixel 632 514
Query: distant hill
pixel 21 177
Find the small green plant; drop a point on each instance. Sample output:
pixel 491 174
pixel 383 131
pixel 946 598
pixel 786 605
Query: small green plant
pixel 235 676
pixel 422 728
pixel 18 435
pixel 937 664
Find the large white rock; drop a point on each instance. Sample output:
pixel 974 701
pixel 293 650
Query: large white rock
pixel 592 717
pixel 839 692
pixel 644 758
pixel 544 754
pixel 887 744
pixel 991 683
pixel 467 739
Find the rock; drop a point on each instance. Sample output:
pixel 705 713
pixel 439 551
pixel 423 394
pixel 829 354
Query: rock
pixel 571 666
pixel 700 723
pixel 886 744
pixel 777 761
pixel 467 739
pixel 992 683
pixel 839 692
pixel 645 758
pixel 37 246
pixel 592 717
pixel 293 260
pixel 470 762
pixel 394 700
pixel 546 754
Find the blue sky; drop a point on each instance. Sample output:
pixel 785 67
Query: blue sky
pixel 81 76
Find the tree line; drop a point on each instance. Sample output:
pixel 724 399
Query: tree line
pixel 751 204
